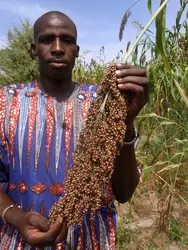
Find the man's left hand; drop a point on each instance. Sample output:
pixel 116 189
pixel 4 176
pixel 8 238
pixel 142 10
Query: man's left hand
pixel 134 82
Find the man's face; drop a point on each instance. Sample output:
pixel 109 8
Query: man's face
pixel 56 46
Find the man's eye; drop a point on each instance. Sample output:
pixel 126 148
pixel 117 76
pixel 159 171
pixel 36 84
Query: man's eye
pixel 68 41
pixel 45 40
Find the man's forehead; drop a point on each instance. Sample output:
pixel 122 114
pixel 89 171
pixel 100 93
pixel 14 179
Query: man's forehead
pixel 57 20
pixel 54 21
pixel 56 31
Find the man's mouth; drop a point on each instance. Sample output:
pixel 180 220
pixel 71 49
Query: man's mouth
pixel 57 64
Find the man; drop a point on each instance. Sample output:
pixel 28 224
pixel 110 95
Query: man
pixel 39 127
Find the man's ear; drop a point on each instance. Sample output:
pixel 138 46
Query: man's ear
pixel 78 49
pixel 33 50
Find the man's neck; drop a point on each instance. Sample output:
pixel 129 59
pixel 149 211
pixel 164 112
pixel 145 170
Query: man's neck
pixel 60 89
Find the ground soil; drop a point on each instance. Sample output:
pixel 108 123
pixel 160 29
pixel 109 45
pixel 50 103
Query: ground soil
pixel 147 222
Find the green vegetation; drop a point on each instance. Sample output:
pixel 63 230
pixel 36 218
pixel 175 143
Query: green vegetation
pixel 175 231
pixel 163 149
pixel 16 62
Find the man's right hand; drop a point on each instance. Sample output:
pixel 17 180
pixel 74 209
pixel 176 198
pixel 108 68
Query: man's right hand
pixel 39 233
pixel 35 229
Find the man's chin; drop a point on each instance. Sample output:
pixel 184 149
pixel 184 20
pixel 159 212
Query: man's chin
pixel 60 74
pixel 56 73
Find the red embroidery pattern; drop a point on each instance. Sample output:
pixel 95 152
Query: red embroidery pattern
pixel 20 244
pixel 111 231
pixel 80 245
pixel 2 119
pixel 68 130
pixel 31 120
pixel 110 194
pixel 60 246
pixel 22 188
pixel 50 123
pixel 12 186
pixel 38 188
pixel 56 189
pixel 95 243
pixel 22 86
pixel 2 232
pixel 29 94
pixel 42 209
pixel 7 245
pixel 14 115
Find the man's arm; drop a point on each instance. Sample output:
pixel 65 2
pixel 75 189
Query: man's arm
pixel 34 228
pixel 130 79
pixel 14 215
pixel 126 176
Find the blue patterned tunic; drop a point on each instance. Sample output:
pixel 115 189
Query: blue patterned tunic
pixel 35 154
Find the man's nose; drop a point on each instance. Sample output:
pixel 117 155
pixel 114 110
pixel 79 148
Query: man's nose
pixel 58 47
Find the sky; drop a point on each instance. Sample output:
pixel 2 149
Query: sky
pixel 98 21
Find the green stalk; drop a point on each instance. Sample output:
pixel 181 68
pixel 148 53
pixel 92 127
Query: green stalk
pixel 102 107
pixel 181 92
pixel 135 43
pixel 144 30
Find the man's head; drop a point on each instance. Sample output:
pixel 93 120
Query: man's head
pixel 55 45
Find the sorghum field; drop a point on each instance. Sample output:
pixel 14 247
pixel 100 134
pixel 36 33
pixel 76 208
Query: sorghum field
pixel 156 216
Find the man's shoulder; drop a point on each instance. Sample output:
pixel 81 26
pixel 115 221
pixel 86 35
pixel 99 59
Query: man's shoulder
pixel 15 88
pixel 89 87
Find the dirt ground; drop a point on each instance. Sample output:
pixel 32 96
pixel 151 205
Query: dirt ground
pixel 149 222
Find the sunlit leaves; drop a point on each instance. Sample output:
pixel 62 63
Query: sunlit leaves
pixel 160 36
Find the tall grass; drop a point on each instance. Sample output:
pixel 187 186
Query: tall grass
pixel 163 148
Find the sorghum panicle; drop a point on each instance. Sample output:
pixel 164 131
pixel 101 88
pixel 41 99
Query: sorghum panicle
pixel 99 143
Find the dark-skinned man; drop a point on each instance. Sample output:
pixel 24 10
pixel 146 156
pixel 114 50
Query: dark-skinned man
pixel 39 127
